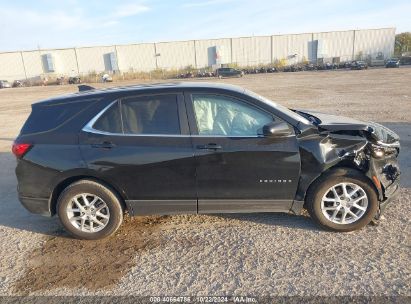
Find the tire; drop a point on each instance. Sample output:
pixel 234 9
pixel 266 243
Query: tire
pixel 96 220
pixel 320 198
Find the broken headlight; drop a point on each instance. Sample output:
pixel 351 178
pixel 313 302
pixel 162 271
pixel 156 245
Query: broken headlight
pixel 378 151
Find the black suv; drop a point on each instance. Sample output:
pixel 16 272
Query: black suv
pixel 198 148
pixel 228 72
pixel 392 63
pixel 359 65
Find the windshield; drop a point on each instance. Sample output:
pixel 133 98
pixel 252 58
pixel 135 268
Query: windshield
pixel 281 108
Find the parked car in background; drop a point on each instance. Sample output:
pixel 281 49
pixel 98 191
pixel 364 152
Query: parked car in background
pixel 204 73
pixel 250 70
pixel 359 65
pixel 188 74
pixel 60 80
pixel 74 80
pixel 272 70
pixel 229 72
pixel 4 84
pixel 310 67
pixel 198 148
pixel 344 65
pixel 393 63
pixel 405 60
pixel 18 84
pixel 106 78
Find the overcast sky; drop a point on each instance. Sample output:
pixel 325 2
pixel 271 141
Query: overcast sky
pixel 28 24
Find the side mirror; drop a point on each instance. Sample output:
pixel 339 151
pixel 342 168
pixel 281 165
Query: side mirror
pixel 276 129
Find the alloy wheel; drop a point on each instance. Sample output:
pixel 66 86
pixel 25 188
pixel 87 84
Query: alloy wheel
pixel 344 203
pixel 88 213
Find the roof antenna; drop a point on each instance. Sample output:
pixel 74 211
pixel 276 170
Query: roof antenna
pixel 83 87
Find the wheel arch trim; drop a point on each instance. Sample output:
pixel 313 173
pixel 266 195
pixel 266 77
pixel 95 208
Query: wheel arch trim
pixel 68 180
pixel 343 171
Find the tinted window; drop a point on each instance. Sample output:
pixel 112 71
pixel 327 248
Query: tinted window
pixel 151 115
pixel 110 121
pixel 45 117
pixel 226 116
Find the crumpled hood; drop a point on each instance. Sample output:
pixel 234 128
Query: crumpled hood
pixel 334 123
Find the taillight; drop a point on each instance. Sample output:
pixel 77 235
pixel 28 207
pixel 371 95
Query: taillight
pixel 20 149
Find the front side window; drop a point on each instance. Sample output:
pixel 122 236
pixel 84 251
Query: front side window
pixel 151 115
pixel 225 116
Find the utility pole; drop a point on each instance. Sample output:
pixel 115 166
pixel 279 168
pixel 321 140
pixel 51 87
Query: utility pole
pixel 24 66
pixel 353 46
pixel 75 54
pixel 156 55
pixel 195 54
pixel 118 66
pixel 272 49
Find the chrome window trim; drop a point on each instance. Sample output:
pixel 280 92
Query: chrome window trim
pixel 89 128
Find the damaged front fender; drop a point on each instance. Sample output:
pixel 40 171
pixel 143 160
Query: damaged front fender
pixel 322 151
pixel 358 149
pixel 336 141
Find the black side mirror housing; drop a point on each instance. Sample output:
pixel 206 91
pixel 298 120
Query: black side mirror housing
pixel 276 129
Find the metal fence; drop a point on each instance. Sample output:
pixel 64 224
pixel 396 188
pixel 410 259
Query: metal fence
pixel 198 54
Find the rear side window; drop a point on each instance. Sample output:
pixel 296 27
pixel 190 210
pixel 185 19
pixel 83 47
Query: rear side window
pixel 45 117
pixel 151 115
pixel 141 115
pixel 110 121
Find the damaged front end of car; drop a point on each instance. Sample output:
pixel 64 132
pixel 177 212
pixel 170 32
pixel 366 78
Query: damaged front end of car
pixel 339 142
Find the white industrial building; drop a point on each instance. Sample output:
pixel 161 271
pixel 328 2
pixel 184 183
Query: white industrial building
pixel 244 51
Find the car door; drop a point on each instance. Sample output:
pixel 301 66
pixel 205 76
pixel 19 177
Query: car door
pixel 233 72
pixel 238 170
pixel 141 144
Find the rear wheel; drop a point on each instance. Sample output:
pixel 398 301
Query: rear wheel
pixel 342 201
pixel 89 210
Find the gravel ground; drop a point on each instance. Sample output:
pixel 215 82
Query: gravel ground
pixel 241 254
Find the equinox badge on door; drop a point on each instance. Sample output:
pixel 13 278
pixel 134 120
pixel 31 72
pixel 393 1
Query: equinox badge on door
pixel 275 181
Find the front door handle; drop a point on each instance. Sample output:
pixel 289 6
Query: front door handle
pixel 104 145
pixel 209 147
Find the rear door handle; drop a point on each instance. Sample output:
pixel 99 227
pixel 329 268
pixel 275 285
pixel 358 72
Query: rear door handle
pixel 209 147
pixel 103 145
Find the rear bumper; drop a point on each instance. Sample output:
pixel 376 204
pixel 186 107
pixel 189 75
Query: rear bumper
pixel 36 205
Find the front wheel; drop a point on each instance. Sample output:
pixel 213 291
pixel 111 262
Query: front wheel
pixel 89 210
pixel 342 201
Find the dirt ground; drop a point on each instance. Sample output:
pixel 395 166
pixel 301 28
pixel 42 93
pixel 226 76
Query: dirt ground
pixel 241 254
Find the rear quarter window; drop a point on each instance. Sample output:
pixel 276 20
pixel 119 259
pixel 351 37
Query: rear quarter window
pixel 46 117
pixel 110 120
